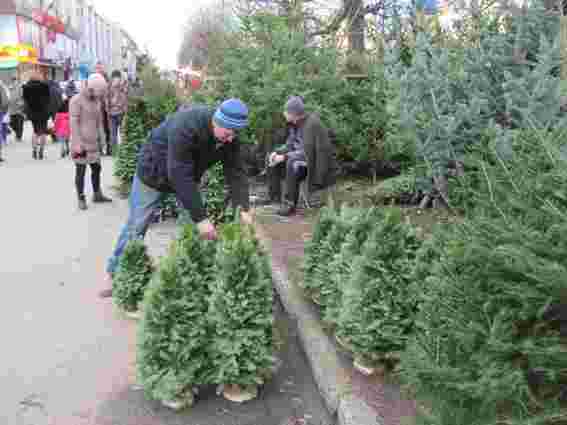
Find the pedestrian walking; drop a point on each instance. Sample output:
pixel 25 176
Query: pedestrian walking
pixel 36 94
pixel 4 105
pixel 117 106
pixel 62 127
pixel 85 121
pixel 16 109
pixel 173 160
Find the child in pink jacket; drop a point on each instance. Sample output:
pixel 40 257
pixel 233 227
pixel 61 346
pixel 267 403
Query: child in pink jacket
pixel 62 127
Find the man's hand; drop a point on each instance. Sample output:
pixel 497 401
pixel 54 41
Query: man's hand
pixel 207 230
pixel 276 158
pixel 247 217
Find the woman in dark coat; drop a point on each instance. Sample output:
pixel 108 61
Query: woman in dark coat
pixel 37 100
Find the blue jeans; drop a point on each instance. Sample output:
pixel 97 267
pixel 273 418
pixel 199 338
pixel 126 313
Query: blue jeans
pixel 142 203
pixel 115 121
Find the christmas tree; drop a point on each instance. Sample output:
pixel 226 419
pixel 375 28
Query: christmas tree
pixel 241 311
pixel 133 136
pixel 450 97
pixel 488 346
pixel 320 278
pixel 133 276
pixel 325 223
pixel 339 269
pixel 174 348
pixel 378 308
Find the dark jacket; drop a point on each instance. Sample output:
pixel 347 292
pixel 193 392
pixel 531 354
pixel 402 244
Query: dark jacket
pixel 36 98
pixel 180 150
pixel 55 97
pixel 322 167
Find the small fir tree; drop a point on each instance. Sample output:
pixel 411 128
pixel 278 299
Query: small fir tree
pixel 378 307
pixel 241 310
pixel 174 348
pixel 215 195
pixel 133 136
pixel 134 273
pixel 339 268
pixel 324 225
pixel 329 246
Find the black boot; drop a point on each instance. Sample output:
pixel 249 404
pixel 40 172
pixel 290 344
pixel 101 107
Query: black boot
pixel 98 198
pixel 34 153
pixel 40 155
pixel 108 150
pixel 82 202
pixel 287 209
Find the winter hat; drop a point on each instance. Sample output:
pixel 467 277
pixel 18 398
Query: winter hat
pixel 97 83
pixel 231 114
pixel 295 106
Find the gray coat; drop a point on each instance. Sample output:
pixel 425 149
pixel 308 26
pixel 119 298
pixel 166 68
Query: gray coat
pixel 322 167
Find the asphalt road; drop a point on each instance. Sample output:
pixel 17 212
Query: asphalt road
pixel 68 357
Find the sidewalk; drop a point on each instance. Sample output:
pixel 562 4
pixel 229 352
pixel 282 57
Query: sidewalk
pixel 68 357
pixel 355 398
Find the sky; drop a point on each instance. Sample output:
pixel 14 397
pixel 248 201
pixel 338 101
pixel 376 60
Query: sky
pixel 157 24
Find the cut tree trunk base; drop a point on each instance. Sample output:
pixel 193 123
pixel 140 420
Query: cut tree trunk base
pixel 364 368
pixel 134 315
pixel 187 400
pixel 238 394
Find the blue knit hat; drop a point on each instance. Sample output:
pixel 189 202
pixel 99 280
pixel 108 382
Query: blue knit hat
pixel 232 114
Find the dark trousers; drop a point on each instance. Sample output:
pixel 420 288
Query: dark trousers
pixel 292 175
pixel 80 171
pixel 17 124
pixel 106 127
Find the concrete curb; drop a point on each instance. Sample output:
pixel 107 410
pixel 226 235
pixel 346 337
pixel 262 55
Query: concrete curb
pixel 331 376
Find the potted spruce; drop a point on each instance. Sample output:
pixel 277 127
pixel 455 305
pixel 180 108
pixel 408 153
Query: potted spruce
pixel 241 310
pixel 378 305
pixel 339 268
pixel 173 352
pixel 132 277
pixel 323 227
pixel 318 279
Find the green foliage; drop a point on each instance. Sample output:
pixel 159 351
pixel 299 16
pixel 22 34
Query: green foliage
pixel 339 266
pixel 241 310
pixel 325 223
pixel 156 87
pixel 394 188
pixel 316 270
pixel 134 273
pixel 451 99
pixel 143 115
pixel 174 345
pixel 378 306
pixel 265 77
pixel 133 136
pixel 214 193
pixel 482 329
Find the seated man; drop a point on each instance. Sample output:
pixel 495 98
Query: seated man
pixel 307 154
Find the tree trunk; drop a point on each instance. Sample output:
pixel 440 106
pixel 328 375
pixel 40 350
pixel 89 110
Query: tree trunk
pixel 357 25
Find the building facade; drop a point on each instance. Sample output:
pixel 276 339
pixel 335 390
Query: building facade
pixel 61 38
